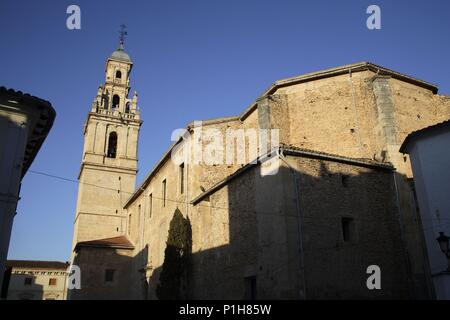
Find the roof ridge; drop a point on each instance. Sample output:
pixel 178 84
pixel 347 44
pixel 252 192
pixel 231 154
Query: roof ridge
pixel 120 242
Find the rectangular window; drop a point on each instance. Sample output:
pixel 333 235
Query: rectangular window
pixel 129 224
pixel 28 281
pixel 250 288
pixel 52 282
pixel 164 186
pixel 182 178
pixel 150 205
pixel 109 275
pixel 347 229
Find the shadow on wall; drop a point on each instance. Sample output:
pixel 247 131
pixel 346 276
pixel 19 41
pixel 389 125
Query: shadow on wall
pixel 310 234
pixel 12 147
pixel 297 234
pixel 110 273
pixel 22 287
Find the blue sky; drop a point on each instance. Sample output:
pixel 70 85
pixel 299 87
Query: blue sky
pixel 193 60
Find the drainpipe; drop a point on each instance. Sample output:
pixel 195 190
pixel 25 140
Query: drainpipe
pixel 299 224
pixel 360 146
pixel 427 271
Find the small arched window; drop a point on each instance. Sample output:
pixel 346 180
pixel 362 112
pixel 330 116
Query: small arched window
pixel 127 107
pixel 118 74
pixel 115 101
pixel 112 145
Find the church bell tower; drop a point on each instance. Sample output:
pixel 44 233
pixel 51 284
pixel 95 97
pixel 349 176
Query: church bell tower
pixel 109 164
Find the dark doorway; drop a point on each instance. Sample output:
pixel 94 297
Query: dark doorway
pixel 112 145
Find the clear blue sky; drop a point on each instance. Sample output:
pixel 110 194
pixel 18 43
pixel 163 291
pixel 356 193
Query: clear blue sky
pixel 192 60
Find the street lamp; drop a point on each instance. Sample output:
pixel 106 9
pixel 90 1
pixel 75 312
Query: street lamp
pixel 443 241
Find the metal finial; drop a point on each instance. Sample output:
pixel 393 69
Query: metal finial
pixel 122 34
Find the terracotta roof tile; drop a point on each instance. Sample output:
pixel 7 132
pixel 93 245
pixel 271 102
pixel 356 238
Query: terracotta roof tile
pixel 120 242
pixel 37 264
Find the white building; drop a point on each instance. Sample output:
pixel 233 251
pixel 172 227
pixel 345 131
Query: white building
pixel 25 122
pixel 429 151
pixel 36 280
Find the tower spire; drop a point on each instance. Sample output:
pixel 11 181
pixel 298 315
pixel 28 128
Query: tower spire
pixel 122 34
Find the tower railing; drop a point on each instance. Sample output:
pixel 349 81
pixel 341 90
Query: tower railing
pixel 116 113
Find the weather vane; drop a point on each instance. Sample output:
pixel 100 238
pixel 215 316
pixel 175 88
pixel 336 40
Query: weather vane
pixel 122 33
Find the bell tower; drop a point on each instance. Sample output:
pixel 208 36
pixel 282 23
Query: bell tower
pixel 109 164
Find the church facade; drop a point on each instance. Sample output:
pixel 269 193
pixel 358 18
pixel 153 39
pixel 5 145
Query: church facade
pixel 340 201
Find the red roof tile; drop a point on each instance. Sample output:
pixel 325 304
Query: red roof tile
pixel 120 242
pixel 37 264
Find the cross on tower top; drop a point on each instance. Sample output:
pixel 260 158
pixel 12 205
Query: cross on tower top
pixel 122 34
